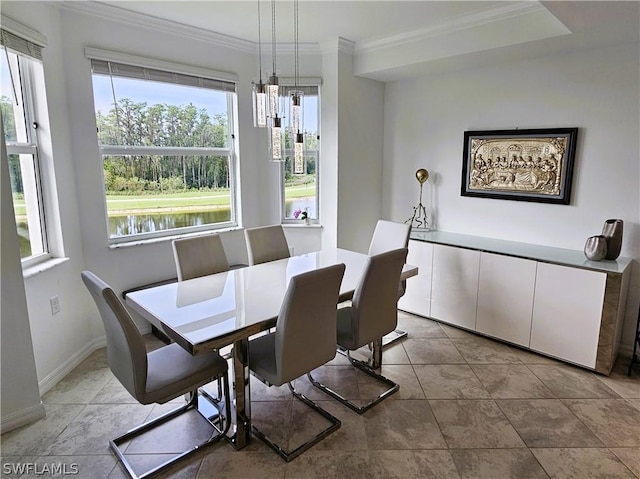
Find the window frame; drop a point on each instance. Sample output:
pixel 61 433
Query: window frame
pixel 288 84
pixel 124 150
pixel 28 83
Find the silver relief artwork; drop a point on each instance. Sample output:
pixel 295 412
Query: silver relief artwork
pixel 531 165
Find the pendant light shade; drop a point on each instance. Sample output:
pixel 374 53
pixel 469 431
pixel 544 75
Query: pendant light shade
pixel 259 101
pixel 273 89
pixel 276 133
pixel 259 91
pixel 296 102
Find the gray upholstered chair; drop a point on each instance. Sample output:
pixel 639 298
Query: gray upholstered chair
pixel 304 339
pixel 266 243
pixel 199 256
pixel 158 376
pixel 388 236
pixel 372 314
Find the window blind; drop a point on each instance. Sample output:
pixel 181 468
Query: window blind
pixel 103 67
pixel 307 90
pixel 20 45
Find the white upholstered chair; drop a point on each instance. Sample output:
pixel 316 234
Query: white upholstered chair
pixel 199 256
pixel 266 243
pixel 372 314
pixel 304 339
pixel 155 377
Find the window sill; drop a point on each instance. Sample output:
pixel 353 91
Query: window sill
pixel 162 239
pixel 41 267
pixel 301 225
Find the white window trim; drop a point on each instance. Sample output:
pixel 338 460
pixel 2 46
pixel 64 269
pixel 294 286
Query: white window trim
pixel 289 82
pixel 230 152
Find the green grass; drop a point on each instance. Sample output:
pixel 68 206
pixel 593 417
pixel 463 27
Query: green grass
pixel 187 199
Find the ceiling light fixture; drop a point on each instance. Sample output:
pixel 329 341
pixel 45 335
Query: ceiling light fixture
pixel 259 90
pixel 275 130
pixel 296 96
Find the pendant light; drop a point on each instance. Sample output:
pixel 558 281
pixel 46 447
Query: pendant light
pixel 296 97
pixel 259 90
pixel 276 150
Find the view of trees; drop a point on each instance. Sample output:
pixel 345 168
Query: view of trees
pixel 161 125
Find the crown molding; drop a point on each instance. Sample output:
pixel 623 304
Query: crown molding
pixel 339 44
pixel 121 15
pixel 464 22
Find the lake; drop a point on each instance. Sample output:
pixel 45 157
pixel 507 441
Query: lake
pixel 148 223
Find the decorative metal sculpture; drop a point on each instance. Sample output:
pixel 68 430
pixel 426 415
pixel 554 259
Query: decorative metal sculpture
pixel 419 219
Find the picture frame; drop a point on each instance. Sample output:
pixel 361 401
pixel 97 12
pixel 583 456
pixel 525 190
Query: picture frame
pixel 522 165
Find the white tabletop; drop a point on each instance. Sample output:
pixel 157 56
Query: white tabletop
pixel 213 311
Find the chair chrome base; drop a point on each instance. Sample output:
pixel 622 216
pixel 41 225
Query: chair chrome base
pixel 393 336
pixel 220 423
pixel 393 387
pixel 291 455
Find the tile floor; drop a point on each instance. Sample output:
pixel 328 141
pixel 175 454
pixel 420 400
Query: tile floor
pixel 468 407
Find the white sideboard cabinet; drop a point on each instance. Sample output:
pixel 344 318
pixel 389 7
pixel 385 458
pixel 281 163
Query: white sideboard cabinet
pixel 551 300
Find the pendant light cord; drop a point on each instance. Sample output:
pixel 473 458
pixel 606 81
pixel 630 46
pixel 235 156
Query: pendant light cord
pixel 295 35
pixel 259 43
pixel 273 34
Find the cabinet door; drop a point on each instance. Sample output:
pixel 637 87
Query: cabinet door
pixel 417 298
pixel 505 297
pixel 454 289
pixel 567 309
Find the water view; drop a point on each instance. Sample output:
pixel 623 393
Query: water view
pixel 132 224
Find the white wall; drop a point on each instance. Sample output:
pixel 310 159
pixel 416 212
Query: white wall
pixel 352 124
pixel 19 386
pixel 596 91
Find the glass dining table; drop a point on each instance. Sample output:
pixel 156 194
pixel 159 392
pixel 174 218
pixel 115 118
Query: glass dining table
pixel 211 312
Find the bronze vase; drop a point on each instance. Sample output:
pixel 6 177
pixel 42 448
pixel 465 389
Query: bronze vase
pixel 595 249
pixel 612 230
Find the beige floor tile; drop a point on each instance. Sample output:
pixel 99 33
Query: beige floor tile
pixel 186 468
pixel 479 350
pixel 630 457
pixel 571 382
pixel 456 333
pixel 420 327
pixel 429 464
pixel 404 376
pixel 406 424
pixel 468 424
pixel 35 438
pixel 497 463
pixel 625 386
pixel 614 421
pixel 316 464
pixel 547 423
pixel 510 381
pixel 432 351
pixel 91 430
pixel 450 381
pixel 577 463
pixel 242 465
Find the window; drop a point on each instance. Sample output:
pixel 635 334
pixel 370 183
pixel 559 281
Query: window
pixel 300 189
pixel 167 144
pixel 20 91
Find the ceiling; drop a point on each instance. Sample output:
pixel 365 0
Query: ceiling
pixel 397 39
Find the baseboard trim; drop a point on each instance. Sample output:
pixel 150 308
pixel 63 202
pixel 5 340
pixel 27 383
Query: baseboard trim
pixel 65 368
pixel 22 417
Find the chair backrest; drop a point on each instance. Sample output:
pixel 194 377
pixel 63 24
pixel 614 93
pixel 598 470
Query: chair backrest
pixel 266 243
pixel 374 308
pixel 305 336
pixel 388 236
pixel 199 256
pixel 126 351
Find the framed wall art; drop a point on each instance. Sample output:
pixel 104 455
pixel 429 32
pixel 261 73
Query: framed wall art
pixel 523 165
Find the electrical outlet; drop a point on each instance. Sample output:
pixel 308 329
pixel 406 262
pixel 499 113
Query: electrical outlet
pixel 55 305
